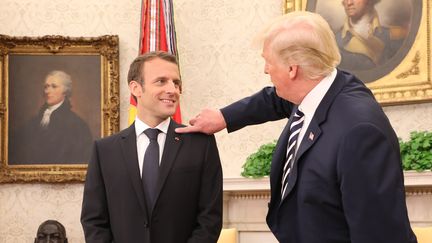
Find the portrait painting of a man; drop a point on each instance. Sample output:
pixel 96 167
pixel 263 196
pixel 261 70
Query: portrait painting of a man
pixel 363 41
pixel 54 109
pixel 373 35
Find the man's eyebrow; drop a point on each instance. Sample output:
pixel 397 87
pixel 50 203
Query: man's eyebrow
pixel 165 77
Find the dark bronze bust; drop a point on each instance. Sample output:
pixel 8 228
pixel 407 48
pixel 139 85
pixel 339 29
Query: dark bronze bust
pixel 51 231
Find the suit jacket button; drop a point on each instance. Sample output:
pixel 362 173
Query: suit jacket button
pixel 146 225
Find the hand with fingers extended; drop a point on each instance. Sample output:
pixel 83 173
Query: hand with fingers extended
pixel 208 121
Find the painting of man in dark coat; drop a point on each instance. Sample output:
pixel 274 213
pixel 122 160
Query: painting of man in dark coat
pixel 56 134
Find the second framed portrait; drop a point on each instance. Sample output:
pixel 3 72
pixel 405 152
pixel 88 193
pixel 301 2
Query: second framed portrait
pixel 383 42
pixel 59 94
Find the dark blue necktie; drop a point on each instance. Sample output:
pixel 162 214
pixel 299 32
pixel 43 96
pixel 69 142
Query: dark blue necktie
pixel 150 171
pixel 295 128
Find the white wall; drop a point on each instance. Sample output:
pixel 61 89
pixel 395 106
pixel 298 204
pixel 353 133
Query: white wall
pixel 217 66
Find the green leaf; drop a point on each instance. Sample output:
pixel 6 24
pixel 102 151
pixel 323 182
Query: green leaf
pixel 258 164
pixel 416 153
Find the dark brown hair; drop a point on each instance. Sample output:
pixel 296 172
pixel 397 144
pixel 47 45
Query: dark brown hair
pixel 136 67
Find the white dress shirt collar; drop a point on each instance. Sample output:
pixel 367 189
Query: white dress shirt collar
pixel 143 141
pixel 311 102
pixel 47 114
pixel 55 107
pixel 140 126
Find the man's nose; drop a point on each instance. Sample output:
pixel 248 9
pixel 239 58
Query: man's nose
pixel 172 87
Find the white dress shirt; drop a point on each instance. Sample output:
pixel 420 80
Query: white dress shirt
pixel 47 114
pixel 311 102
pixel 143 141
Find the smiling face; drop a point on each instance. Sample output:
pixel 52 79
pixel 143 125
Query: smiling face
pixel 54 90
pixel 158 95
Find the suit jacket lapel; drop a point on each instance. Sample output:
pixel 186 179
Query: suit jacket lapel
pixel 309 139
pixel 312 134
pixel 314 131
pixel 130 155
pixel 173 143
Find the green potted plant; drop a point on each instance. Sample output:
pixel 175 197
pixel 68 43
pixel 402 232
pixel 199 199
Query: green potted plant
pixel 258 164
pixel 416 154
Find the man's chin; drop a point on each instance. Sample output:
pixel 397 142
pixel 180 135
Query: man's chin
pixel 170 114
pixel 167 111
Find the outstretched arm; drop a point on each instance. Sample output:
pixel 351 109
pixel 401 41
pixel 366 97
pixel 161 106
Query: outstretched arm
pixel 208 121
pixel 259 108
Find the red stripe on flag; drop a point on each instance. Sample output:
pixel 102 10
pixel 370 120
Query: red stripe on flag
pixel 144 27
pixel 177 114
pixel 162 31
pixel 132 101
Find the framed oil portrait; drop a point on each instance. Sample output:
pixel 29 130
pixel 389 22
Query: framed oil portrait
pixel 390 50
pixel 57 95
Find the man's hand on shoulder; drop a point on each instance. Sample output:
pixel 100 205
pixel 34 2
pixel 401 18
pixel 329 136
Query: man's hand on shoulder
pixel 208 121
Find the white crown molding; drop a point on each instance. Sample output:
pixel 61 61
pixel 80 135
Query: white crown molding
pixel 412 179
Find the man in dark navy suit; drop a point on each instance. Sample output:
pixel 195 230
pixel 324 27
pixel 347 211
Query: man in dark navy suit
pixel 148 184
pixel 336 173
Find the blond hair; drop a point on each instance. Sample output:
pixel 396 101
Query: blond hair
pixel 305 39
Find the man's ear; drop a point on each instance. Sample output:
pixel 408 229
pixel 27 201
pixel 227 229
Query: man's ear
pixel 293 71
pixel 135 88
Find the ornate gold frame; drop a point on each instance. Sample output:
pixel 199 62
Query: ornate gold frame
pixel 107 47
pixel 410 81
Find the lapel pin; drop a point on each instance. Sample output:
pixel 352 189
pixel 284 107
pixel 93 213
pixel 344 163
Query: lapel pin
pixel 177 138
pixel 311 136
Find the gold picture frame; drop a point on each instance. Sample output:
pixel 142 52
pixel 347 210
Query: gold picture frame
pixel 406 77
pixel 30 74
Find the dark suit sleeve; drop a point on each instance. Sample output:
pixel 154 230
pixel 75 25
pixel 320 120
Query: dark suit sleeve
pixel 210 200
pixel 259 108
pixel 94 214
pixel 371 182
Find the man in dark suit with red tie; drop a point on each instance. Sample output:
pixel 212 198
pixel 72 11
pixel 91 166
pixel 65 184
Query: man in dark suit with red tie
pixel 148 184
pixel 336 172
